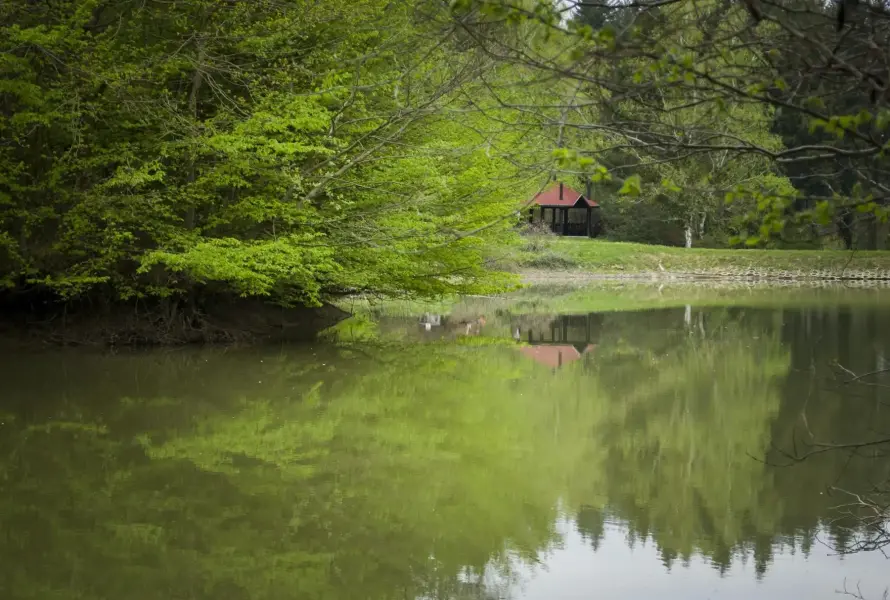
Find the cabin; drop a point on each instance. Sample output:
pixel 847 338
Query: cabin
pixel 566 211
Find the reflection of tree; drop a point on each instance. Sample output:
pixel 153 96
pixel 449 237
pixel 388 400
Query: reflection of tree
pixel 388 475
pixel 686 412
pixel 425 470
pixel 823 410
pixel 694 405
pixel 590 522
pixel 689 430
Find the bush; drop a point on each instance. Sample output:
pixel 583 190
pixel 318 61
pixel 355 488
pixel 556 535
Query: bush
pixel 549 259
pixel 538 237
pixel 648 224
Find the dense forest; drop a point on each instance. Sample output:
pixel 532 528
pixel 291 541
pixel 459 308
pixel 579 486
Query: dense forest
pixel 282 149
pixel 292 150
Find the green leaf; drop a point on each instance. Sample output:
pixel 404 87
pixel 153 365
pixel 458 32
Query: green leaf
pixel 814 103
pixel 632 186
pixel 670 186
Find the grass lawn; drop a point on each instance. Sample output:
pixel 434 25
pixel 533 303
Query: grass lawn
pixel 570 259
pixel 609 296
pixel 622 257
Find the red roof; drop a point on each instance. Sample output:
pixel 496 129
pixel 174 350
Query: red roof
pixel 570 197
pixel 554 356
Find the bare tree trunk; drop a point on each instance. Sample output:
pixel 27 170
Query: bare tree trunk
pixel 688 232
pixel 845 229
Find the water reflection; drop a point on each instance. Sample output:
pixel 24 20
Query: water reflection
pixel 444 327
pixel 558 340
pixel 447 469
pixel 617 569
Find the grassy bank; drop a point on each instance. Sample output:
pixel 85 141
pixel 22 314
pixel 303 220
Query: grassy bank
pixel 609 296
pixel 610 258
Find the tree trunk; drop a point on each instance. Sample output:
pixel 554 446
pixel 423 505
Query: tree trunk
pixel 881 241
pixel 845 228
pixel 871 228
pixel 688 232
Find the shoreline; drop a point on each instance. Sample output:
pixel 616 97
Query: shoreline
pixel 130 325
pixel 778 277
pixel 244 321
pixel 569 258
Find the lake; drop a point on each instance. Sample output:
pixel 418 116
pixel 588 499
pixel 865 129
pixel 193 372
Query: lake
pixel 559 443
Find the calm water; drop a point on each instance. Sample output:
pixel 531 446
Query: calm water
pixel 521 455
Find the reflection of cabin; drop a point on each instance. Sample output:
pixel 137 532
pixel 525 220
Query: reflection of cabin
pixel 566 211
pixel 555 356
pixel 429 320
pixel 557 341
pixel 563 329
pixel 435 326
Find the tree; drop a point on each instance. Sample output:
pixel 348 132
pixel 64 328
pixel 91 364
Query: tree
pixel 719 55
pixel 273 149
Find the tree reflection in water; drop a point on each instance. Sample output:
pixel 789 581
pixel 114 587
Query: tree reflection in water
pixel 425 469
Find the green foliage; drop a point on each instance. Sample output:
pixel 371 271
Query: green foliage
pixel 284 150
pixel 690 95
pixel 631 186
pixel 678 161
